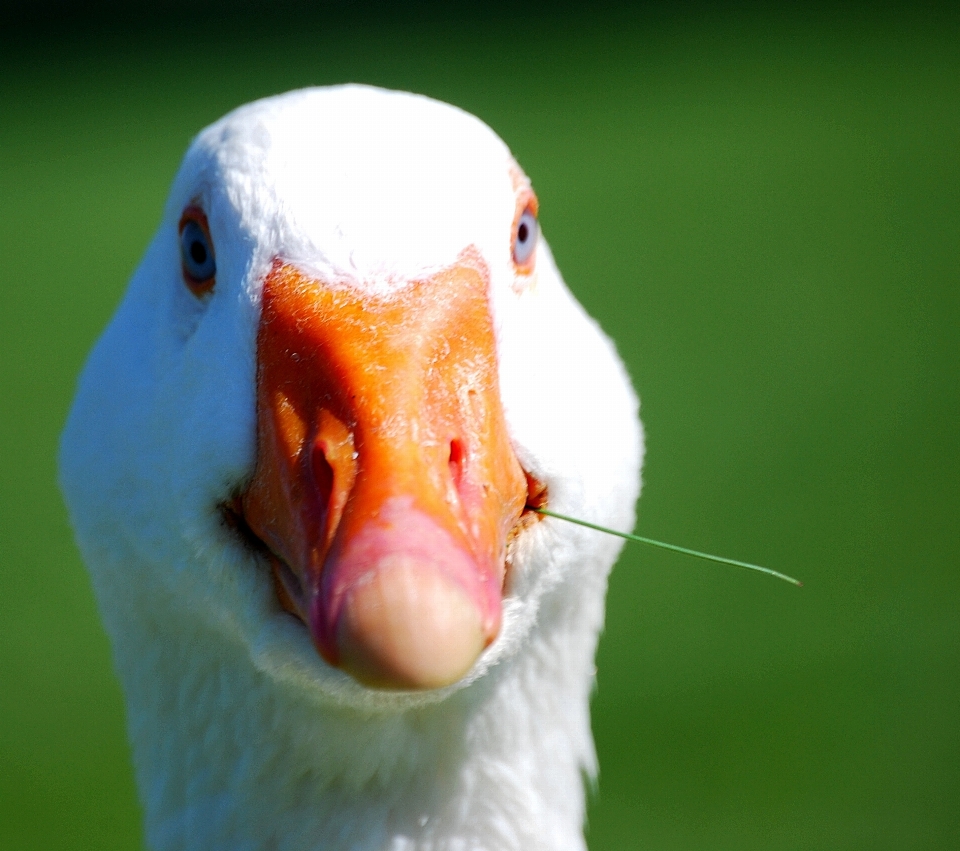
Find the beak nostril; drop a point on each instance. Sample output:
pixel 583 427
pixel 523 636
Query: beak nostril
pixel 322 475
pixel 456 462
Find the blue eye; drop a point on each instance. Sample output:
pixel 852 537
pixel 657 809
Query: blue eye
pixel 525 238
pixel 196 252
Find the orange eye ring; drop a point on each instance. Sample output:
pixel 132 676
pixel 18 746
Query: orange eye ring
pixel 526 232
pixel 197 258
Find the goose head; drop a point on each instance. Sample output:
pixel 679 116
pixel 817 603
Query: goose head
pixel 301 465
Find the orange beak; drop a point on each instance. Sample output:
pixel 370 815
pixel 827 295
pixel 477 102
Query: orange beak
pixel 385 485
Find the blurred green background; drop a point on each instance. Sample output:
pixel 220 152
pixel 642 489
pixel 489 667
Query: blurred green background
pixel 762 208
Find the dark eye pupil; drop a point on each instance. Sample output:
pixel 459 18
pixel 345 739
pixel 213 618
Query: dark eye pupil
pixel 523 232
pixel 198 253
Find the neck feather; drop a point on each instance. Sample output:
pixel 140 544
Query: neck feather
pixel 229 759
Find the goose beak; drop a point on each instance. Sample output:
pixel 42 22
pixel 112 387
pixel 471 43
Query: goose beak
pixel 385 485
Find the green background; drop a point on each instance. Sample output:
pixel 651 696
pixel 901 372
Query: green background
pixel 763 209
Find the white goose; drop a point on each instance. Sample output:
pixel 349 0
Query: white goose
pixel 341 373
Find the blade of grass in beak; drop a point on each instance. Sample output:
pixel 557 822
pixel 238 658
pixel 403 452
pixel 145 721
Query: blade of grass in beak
pixel 674 547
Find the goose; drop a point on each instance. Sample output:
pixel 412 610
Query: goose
pixel 302 467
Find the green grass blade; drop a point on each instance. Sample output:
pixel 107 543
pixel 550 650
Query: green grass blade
pixel 674 547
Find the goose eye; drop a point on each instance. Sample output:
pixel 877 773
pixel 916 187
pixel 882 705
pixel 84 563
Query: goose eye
pixel 525 238
pixel 196 252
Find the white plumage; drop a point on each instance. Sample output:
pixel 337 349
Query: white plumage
pixel 243 736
